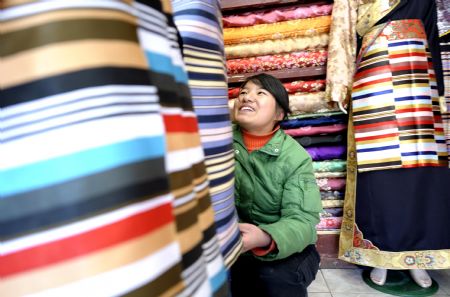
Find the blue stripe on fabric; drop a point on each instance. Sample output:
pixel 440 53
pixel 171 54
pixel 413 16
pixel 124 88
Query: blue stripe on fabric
pixel 180 75
pixel 392 44
pixel 209 92
pixel 65 168
pixel 413 98
pixel 214 125
pixel 209 102
pixel 390 147
pixel 429 153
pixel 373 94
pixel 212 111
pixel 223 142
pixel 159 63
pixel 218 280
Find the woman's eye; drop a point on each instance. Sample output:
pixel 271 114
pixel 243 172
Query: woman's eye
pixel 261 93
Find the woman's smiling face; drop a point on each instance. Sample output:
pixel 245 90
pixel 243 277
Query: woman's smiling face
pixel 256 109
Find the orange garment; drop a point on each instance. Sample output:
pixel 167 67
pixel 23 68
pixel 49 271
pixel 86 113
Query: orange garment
pixel 255 142
pixel 287 29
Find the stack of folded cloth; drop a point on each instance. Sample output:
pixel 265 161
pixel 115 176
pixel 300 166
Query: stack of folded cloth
pixel 323 135
pixel 280 38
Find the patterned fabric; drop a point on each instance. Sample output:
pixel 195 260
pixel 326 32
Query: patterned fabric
pixel 445 56
pixel 315 115
pixel 329 223
pixel 329 174
pixel 332 203
pixel 204 59
pixel 331 195
pixel 276 46
pixel 281 30
pixel 314 130
pixel 331 184
pixel 277 15
pixel 306 141
pixel 330 166
pixel 310 103
pixel 341 51
pixel 396 110
pixel 443 15
pixel 316 121
pixel 331 212
pixel 292 87
pixel 326 152
pixel 277 62
pixel 103 207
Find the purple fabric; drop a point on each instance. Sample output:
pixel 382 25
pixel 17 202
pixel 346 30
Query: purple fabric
pixel 327 152
pixel 310 130
pixel 331 184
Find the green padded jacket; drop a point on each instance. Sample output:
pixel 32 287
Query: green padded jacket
pixel 276 190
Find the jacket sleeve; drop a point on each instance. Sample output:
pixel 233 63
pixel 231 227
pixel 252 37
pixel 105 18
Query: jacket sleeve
pixel 300 207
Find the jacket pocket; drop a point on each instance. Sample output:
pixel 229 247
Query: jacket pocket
pixel 311 195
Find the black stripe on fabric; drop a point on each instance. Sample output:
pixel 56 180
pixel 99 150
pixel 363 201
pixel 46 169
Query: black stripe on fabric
pixel 192 255
pixel 102 203
pixel 231 244
pixel 410 81
pixel 374 55
pixel 206 76
pixel 415 137
pixel 155 5
pixel 181 179
pixel 167 91
pixel 416 127
pixel 221 180
pixel 82 110
pixel 67 30
pixel 161 33
pixel 59 126
pixel 218 149
pixel 374 121
pixel 201 43
pixel 159 286
pixel 410 71
pixel 224 221
pixel 186 219
pixel 222 291
pixel 213 118
pixel 371 66
pixel 62 83
pixel 197 12
pixel 81 189
pixel 381 164
pixel 192 47
pixel 374 110
pixel 209 233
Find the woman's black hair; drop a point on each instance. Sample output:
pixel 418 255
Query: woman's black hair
pixel 274 86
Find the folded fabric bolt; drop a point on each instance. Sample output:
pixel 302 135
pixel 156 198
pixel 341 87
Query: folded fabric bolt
pixel 327 152
pixel 332 203
pixel 331 184
pixel 330 166
pixel 307 141
pixel 319 121
pixel 316 130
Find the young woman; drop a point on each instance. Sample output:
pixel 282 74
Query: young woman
pixel 277 198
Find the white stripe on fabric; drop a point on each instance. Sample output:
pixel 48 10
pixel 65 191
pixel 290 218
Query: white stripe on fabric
pixel 376 132
pixel 183 159
pixel 72 139
pixel 122 280
pixel 79 227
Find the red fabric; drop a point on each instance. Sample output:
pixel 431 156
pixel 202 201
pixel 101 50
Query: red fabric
pixel 292 87
pixel 262 251
pixel 277 15
pixel 276 62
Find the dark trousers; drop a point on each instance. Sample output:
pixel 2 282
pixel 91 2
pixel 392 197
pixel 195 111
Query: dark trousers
pixel 280 278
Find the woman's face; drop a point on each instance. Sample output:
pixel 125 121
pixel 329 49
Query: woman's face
pixel 256 109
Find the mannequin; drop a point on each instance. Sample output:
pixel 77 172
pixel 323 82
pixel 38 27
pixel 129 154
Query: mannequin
pixel 394 214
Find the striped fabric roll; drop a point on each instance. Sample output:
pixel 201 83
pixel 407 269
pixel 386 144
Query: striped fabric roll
pixel 86 201
pixel 445 55
pixel 185 157
pixel 396 111
pixel 199 24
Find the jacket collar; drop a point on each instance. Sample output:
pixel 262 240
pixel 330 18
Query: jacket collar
pixel 273 147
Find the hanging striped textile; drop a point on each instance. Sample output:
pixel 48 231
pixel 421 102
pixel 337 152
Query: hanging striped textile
pixel 199 24
pixel 84 195
pixel 203 267
pixel 396 111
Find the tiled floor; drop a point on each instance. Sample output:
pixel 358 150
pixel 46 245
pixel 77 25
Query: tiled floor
pixel 349 283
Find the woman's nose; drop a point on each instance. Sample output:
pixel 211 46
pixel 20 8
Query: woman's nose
pixel 247 97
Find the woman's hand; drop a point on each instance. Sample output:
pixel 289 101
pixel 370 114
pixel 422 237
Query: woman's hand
pixel 253 237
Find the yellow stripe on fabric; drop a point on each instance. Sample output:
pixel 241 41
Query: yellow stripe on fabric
pixel 205 69
pixel 63 15
pixel 203 55
pixel 205 63
pixel 211 84
pixel 417 140
pixel 379 139
pixel 181 140
pixel 222 187
pixel 211 168
pixel 376 85
pixel 222 173
pixel 68 57
pixel 89 265
pixel 379 161
pixel 373 60
pixel 410 85
pixel 191 236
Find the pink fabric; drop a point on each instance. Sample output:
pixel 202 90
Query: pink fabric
pixel 277 15
pixel 330 223
pixel 292 87
pixel 311 130
pixel 276 62
pixel 331 184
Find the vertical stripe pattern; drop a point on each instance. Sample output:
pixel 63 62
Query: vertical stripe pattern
pixel 200 27
pixel 396 111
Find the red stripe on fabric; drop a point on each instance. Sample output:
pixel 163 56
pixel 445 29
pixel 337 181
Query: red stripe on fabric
pixel 376 137
pixel 381 124
pixel 368 72
pixel 422 165
pixel 403 110
pixel 179 123
pixel 415 122
pixel 410 66
pixel 87 242
pixel 413 54
pixel 372 82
